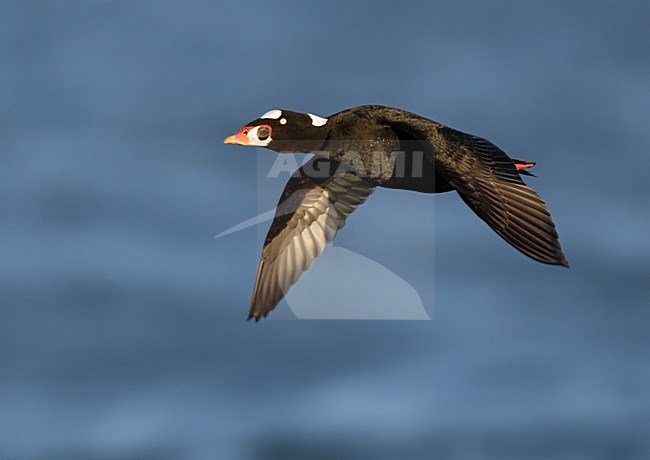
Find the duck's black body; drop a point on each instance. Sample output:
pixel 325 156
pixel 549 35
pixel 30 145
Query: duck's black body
pixel 374 146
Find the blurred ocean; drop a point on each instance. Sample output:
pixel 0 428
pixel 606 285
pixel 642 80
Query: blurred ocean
pixel 122 318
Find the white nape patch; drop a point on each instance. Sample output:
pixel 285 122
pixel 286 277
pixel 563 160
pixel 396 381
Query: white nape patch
pixel 316 120
pixel 272 114
pixel 283 121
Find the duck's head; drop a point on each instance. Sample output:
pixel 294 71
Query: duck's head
pixel 283 131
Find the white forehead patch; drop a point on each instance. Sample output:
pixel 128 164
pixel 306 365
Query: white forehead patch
pixel 316 120
pixel 272 114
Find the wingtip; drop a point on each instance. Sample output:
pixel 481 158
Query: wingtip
pixel 560 261
pixel 253 316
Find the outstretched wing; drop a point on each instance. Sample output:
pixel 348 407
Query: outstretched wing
pixel 488 182
pixel 310 213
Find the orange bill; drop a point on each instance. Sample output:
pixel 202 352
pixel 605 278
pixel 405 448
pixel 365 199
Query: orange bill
pixel 240 138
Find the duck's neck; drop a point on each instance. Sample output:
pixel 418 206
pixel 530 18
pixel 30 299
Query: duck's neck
pixel 309 141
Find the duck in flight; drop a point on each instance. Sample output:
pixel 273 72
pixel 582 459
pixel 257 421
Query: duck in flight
pixel 371 146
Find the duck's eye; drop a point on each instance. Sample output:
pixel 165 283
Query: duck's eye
pixel 263 133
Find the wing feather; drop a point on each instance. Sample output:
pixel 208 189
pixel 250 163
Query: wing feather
pixel 310 213
pixel 488 182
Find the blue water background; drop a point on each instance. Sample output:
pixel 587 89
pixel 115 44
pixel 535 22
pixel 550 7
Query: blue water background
pixel 122 319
